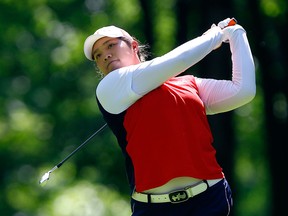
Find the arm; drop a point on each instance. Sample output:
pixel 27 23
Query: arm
pixel 122 87
pixel 223 95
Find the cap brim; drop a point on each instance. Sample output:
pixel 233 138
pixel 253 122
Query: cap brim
pixel 108 31
pixel 88 45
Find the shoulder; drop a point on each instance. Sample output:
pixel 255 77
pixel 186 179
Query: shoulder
pixel 182 80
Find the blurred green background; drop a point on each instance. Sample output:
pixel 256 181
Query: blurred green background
pixel 48 107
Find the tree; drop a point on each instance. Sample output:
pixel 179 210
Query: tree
pixel 47 102
pixel 271 49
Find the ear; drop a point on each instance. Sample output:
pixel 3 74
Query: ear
pixel 135 46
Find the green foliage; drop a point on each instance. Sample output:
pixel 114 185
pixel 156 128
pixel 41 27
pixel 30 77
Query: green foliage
pixel 274 8
pixel 251 165
pixel 48 108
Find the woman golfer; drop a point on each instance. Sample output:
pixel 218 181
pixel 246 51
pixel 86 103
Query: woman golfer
pixel 159 118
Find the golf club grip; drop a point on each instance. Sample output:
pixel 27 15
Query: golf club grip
pixel 232 22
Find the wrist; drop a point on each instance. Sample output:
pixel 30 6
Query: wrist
pixel 230 31
pixel 216 34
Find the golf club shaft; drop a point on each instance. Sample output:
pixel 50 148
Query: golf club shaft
pixel 81 146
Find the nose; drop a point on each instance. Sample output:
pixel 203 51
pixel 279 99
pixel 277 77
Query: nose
pixel 107 57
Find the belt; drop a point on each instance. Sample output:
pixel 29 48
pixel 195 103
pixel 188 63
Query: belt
pixel 176 196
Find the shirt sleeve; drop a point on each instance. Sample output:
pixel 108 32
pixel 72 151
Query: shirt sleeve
pixel 225 95
pixel 123 87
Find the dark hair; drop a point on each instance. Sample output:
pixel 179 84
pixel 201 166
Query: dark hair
pixel 143 52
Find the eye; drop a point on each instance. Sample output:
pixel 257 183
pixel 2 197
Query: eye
pixel 97 56
pixel 110 45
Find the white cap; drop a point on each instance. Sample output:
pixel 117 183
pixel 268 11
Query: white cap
pixel 108 31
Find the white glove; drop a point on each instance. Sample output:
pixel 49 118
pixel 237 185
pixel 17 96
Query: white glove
pixel 228 26
pixel 225 23
pixel 214 29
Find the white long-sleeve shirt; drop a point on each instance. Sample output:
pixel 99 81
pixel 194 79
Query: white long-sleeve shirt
pixel 123 87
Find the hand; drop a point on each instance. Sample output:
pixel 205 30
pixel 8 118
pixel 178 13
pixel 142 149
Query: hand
pixel 228 26
pixel 215 29
pixel 227 22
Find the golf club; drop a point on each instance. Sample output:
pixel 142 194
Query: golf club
pixel 46 176
pixel 232 22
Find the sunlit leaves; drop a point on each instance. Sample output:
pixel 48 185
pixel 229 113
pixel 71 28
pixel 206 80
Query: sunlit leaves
pixel 274 8
pixel 87 199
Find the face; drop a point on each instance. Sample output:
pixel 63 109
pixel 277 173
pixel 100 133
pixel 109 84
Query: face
pixel 113 53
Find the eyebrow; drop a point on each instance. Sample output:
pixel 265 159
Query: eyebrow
pixel 96 50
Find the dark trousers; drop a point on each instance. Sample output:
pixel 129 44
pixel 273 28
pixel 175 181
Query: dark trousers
pixel 215 201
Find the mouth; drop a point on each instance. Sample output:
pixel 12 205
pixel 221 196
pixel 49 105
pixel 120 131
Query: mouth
pixel 110 63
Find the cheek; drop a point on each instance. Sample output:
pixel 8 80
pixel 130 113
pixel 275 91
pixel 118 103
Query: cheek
pixel 99 62
pixel 127 56
pixel 100 67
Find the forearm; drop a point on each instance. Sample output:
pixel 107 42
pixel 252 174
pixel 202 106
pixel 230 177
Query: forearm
pixel 223 95
pixel 175 62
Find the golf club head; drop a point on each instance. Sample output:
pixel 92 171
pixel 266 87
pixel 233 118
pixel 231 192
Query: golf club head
pixel 45 177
